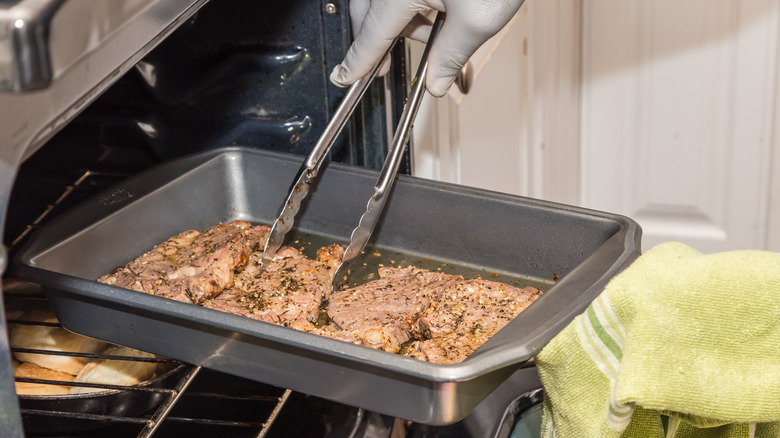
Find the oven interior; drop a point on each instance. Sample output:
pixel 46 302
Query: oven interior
pixel 234 73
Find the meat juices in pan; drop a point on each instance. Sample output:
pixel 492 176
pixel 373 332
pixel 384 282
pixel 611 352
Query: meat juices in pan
pixel 427 315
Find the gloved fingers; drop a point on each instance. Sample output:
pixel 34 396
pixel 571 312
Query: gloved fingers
pixel 451 50
pixel 357 13
pixel 464 31
pixel 419 29
pixel 384 20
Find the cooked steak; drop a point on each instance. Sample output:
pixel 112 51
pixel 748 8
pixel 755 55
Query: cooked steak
pixel 191 266
pixel 382 312
pixel 289 291
pixel 427 315
pixel 330 331
pixel 465 316
pixel 446 349
pixel 445 316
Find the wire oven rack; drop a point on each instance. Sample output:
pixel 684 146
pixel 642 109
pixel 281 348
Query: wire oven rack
pixel 148 422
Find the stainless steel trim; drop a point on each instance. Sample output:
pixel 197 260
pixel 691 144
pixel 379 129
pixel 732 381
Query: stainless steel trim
pixel 25 62
pixel 89 46
pixel 41 39
pixel 465 78
pixel 27 120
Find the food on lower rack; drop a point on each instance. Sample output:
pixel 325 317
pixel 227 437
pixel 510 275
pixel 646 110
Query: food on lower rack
pixel 114 371
pixel 430 316
pixel 43 337
pixel 28 330
pixel 31 371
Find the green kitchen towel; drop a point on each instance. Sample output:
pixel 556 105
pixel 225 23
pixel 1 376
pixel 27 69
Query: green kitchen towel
pixel 680 344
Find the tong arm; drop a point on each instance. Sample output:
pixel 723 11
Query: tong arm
pixel 311 165
pixel 384 184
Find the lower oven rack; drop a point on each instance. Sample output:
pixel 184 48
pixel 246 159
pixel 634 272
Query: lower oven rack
pixel 148 423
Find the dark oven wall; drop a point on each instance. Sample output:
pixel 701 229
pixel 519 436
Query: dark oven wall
pixel 238 73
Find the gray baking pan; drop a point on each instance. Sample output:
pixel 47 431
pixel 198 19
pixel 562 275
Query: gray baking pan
pixel 459 227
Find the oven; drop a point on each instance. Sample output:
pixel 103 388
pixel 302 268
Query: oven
pixel 93 94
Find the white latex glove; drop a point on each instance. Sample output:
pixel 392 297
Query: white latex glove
pixel 376 23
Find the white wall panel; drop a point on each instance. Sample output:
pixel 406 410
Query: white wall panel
pixel 661 110
pixel 516 131
pixel 677 117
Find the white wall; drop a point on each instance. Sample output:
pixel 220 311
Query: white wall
pixel 516 130
pixel 678 116
pixel 661 110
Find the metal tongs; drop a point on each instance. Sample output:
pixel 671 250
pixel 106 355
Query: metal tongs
pixel 314 160
pixel 376 203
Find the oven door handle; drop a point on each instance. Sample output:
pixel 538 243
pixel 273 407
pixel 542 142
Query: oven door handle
pixel 41 39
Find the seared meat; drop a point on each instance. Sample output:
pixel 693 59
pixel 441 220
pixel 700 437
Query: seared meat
pixel 427 315
pixel 471 306
pixel 289 291
pixel 446 349
pixel 381 313
pixel 192 266
pixel 330 331
pixel 445 316
pixel 148 273
pixel 215 255
pixel 465 316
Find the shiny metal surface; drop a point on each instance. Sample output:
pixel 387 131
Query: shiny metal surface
pixel 25 50
pixel 129 29
pixel 384 184
pixel 41 39
pixel 27 120
pixel 311 166
pixel 465 78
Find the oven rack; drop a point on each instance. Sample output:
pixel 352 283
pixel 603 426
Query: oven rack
pixel 148 423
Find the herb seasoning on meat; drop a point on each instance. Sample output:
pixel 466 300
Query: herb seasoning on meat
pixel 432 316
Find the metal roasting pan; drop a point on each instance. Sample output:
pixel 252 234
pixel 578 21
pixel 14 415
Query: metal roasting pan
pixel 476 229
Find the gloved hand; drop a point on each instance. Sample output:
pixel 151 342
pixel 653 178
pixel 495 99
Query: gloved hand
pixel 376 23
